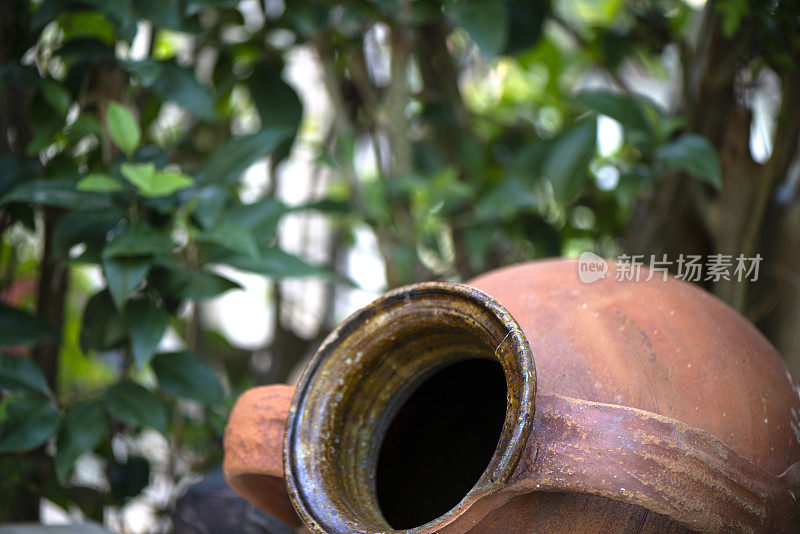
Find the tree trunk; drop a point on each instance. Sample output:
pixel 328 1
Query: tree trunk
pixel 744 217
pixel 53 282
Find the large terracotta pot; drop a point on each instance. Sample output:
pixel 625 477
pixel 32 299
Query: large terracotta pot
pixel 653 407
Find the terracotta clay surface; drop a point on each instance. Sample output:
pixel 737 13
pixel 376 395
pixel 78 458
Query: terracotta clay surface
pixel 667 347
pixel 653 407
pixel 253 463
pixel 660 464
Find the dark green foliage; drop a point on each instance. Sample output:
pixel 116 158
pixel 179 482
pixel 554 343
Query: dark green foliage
pixel 185 374
pixel 128 478
pixel 84 427
pixel 117 197
pixel 20 328
pixel 27 423
pixel 21 375
pixel 489 154
pixel 135 405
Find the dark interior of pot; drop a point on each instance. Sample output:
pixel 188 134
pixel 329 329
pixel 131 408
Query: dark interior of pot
pixel 440 442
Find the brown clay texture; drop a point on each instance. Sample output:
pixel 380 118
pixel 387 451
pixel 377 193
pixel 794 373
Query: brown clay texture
pixel 666 347
pixel 657 409
pixel 253 463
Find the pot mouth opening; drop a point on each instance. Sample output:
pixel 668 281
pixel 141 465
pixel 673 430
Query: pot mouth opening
pixel 406 394
pixel 440 441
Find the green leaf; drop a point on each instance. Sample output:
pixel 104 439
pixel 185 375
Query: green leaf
pixel 230 160
pixel 567 162
pixel 128 479
pixel 76 24
pixel 45 131
pixel 124 276
pixel 28 423
pixel 147 325
pixel 84 125
pixel 209 202
pixel 171 82
pixel 194 7
pixel 185 374
pixel 180 85
pixel 85 426
pixel 504 201
pixel 85 226
pixel 117 12
pixel 57 97
pixel 153 183
pixel 139 174
pixel 232 237
pixel 478 239
pixel 199 285
pixel 21 375
pixel 276 263
pixel 85 48
pixel 694 154
pixel 137 240
pixel 15 169
pixel 46 12
pixel 328 206
pixel 92 502
pixel 167 182
pixel 59 192
pixel 99 182
pixel 625 109
pixel 163 13
pixel 205 285
pixel 123 128
pixel 137 406
pixel 102 327
pixel 486 22
pixel 526 20
pixel 276 102
pixel 260 218
pixel 148 71
pixel 733 13
pixel 20 328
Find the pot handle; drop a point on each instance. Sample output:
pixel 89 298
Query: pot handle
pixel 655 462
pixel 253 462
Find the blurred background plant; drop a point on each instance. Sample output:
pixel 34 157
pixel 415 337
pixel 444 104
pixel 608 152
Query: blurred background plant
pixel 166 166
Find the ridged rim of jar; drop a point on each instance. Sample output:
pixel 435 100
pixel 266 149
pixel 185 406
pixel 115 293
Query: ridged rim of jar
pixel 350 392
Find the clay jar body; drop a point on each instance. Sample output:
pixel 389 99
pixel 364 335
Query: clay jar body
pixel 651 407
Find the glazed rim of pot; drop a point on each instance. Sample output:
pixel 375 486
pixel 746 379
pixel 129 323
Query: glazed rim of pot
pixel 363 374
